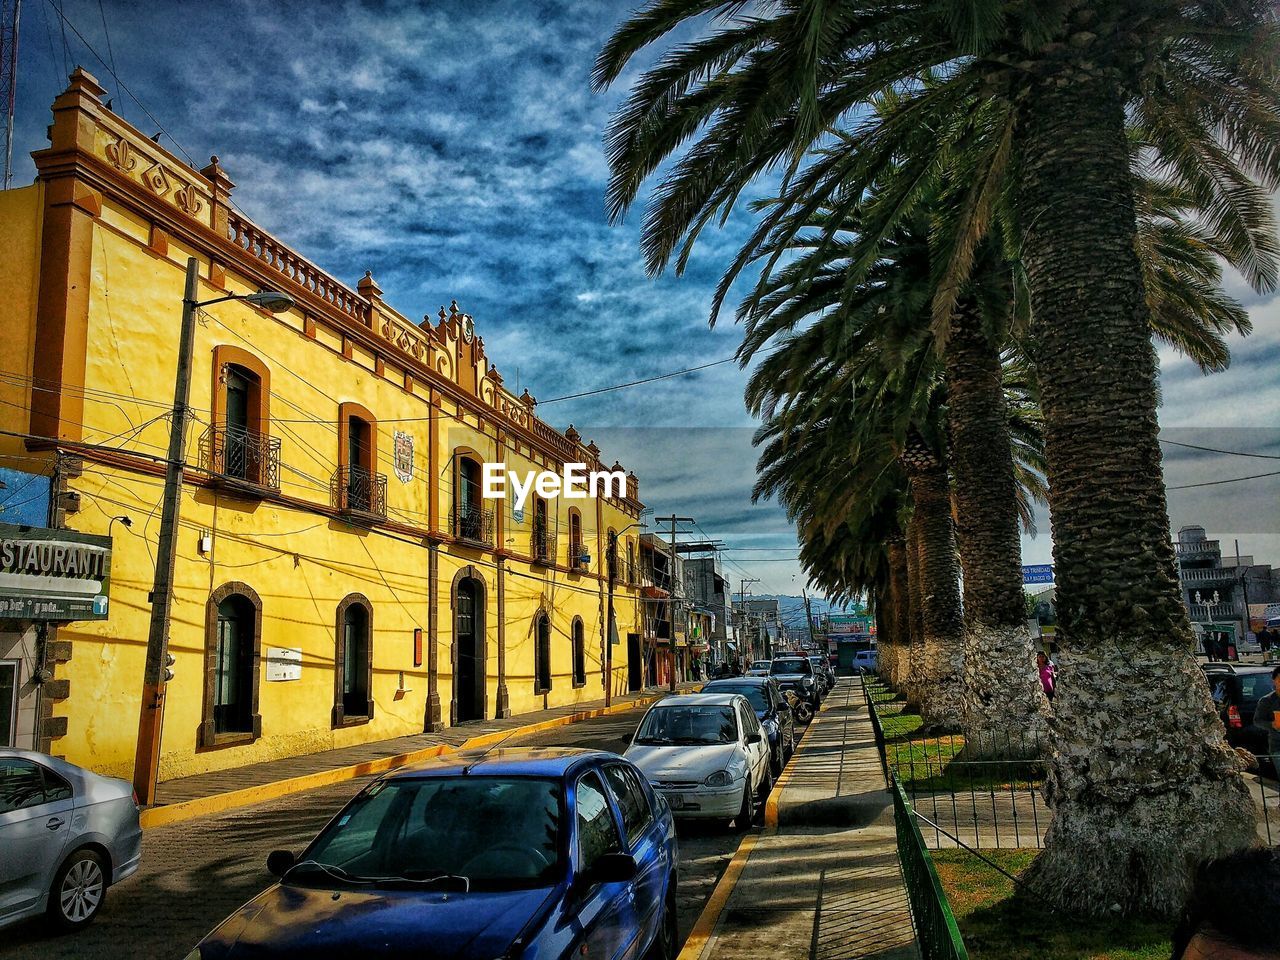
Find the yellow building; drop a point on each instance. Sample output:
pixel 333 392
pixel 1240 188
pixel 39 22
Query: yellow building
pixel 339 578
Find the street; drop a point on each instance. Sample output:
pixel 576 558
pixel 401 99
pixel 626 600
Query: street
pixel 194 874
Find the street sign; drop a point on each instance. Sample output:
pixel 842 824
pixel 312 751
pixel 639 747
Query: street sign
pixel 1038 573
pixel 53 575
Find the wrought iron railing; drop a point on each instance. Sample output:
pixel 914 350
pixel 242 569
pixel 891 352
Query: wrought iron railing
pixel 243 457
pixel 937 934
pixel 473 523
pixel 542 545
pixel 360 492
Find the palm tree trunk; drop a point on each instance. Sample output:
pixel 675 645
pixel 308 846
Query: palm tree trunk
pixel 912 676
pixel 941 697
pixel 1141 795
pixel 1006 713
pixel 900 604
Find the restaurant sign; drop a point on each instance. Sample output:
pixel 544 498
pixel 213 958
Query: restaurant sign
pixel 53 575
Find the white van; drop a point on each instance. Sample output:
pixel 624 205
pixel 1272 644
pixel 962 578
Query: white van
pixel 865 661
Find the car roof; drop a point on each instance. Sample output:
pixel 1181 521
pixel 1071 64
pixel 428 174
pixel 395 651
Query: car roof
pixel 752 681
pixel 507 761
pixel 698 700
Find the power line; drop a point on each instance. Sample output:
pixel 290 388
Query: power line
pixel 636 383
pixel 1214 483
pixel 1230 453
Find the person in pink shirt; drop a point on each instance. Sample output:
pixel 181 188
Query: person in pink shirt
pixel 1048 674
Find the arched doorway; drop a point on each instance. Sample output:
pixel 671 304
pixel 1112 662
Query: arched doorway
pixel 469 658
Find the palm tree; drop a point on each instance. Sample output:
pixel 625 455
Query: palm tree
pixel 1200 78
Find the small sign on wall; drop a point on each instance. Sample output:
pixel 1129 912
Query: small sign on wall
pixel 284 663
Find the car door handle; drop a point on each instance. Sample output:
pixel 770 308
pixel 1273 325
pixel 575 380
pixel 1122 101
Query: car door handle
pixel 54 823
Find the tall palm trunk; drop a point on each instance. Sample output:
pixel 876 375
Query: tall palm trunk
pixel 941 695
pixel 1006 712
pixel 913 675
pixel 1139 795
pixel 900 604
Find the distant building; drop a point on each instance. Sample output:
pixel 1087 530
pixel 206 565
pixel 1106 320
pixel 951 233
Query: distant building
pixel 1215 588
pixel 706 586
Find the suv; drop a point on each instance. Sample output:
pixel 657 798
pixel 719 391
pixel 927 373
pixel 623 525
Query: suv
pixel 796 673
pixel 865 661
pixel 1236 690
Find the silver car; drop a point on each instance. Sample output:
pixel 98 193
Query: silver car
pixel 67 834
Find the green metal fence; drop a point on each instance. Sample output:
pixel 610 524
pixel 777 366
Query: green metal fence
pixel 937 934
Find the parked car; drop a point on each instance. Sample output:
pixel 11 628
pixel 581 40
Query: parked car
pixel 759 668
pixel 772 710
pixel 822 670
pixel 706 754
pixel 866 661
pixel 553 853
pixel 1236 690
pixel 66 835
pixel 796 673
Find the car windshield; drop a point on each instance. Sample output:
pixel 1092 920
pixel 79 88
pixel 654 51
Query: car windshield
pixel 689 725
pixel 1255 686
pixel 441 832
pixel 791 666
pixel 754 693
pixel 760 665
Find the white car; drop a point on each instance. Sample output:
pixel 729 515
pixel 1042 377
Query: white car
pixel 866 661
pixel 706 754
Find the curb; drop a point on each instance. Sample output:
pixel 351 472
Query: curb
pixel 771 804
pixel 221 802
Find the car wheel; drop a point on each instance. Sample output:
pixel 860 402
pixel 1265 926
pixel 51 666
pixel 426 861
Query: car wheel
pixel 79 887
pixel 665 943
pixel 743 820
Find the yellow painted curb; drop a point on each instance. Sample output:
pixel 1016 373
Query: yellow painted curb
pixel 771 804
pixel 261 793
pixel 710 916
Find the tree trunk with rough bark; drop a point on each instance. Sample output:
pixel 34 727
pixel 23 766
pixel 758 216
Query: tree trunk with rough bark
pixel 899 602
pixel 1006 713
pixel 941 696
pixel 912 676
pixel 1142 795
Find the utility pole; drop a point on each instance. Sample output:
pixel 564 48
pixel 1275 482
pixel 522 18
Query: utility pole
pixel 10 17
pixel 742 593
pixel 673 601
pixel 1244 594
pixel 146 765
pixel 808 616
pixel 611 559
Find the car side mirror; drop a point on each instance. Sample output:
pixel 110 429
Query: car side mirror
pixel 610 868
pixel 279 862
pixel 754 738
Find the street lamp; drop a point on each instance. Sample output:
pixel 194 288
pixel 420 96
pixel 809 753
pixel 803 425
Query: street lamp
pixel 146 764
pixel 124 521
pixel 611 562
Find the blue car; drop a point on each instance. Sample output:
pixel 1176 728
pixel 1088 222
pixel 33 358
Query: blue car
pixel 514 854
pixel 772 711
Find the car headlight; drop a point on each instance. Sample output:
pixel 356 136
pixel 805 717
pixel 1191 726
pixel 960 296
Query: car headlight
pixel 720 778
pixel 806 682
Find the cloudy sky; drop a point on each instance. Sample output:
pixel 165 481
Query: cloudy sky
pixel 454 149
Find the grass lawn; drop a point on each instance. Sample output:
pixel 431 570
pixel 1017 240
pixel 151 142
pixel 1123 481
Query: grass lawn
pixel 924 764
pixel 996 925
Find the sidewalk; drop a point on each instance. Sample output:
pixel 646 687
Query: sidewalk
pixel 823 881
pixel 205 793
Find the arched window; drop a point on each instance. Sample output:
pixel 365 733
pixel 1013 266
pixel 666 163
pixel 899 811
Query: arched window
pixel 361 488
pixel 469 681
pixel 237 444
pixel 575 539
pixel 579 653
pixel 542 653
pixel 353 662
pixel 233 646
pixel 471 520
pixel 543 540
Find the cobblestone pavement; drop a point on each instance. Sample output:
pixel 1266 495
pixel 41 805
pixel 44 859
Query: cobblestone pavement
pixel 194 874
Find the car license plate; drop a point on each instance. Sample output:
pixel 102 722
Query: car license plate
pixel 674 800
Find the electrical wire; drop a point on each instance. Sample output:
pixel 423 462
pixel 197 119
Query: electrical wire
pixel 1230 453
pixel 636 383
pixel 1214 483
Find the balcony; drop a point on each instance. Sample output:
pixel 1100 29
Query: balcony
pixel 542 546
pixel 1198 548
pixel 1191 577
pixel 576 563
pixel 245 461
pixel 472 524
pixel 360 493
pixel 1207 612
